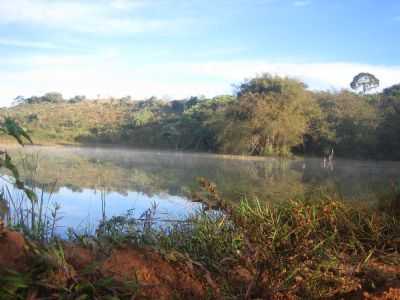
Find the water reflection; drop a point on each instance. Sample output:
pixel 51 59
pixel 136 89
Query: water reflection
pixel 93 183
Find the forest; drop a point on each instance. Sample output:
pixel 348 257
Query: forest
pixel 266 115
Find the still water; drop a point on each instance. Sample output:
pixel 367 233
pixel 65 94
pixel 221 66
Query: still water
pixel 91 183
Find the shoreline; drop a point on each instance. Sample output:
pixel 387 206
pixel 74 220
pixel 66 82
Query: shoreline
pixel 13 145
pixel 302 261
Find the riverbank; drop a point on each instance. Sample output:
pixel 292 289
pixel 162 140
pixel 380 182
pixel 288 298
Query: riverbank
pixel 30 271
pixel 300 249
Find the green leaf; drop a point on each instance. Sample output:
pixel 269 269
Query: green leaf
pixel 30 194
pixel 10 166
pixel 12 128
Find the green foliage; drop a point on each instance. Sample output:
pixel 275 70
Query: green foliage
pixel 77 99
pixel 271 116
pixel 13 129
pixel 10 127
pixel 389 126
pixel 311 248
pixel 14 285
pixel 143 117
pixel 268 115
pixel 52 97
pixel 351 122
pixel 286 244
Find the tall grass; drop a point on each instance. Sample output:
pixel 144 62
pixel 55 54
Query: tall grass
pixel 36 219
pixel 310 247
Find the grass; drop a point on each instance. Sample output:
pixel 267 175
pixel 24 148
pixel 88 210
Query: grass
pixel 64 123
pixel 51 277
pixel 308 249
pixel 36 219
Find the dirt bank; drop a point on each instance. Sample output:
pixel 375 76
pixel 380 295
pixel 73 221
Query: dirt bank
pixel 132 273
pixel 151 274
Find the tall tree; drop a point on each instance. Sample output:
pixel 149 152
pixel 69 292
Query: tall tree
pixel 391 98
pixel 389 127
pixel 271 116
pixel 366 81
pixel 351 121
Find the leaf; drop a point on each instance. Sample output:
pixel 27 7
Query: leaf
pixel 30 194
pixel 10 166
pixel 12 128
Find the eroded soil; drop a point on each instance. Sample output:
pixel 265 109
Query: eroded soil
pixel 160 276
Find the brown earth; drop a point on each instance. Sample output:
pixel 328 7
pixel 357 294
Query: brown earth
pixel 13 251
pixel 157 277
pixel 160 277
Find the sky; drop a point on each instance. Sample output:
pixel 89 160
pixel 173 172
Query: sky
pixel 180 48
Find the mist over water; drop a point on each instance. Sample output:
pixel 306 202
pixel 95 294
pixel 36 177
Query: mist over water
pixel 92 183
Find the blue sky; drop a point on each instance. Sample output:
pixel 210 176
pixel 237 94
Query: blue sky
pixel 177 48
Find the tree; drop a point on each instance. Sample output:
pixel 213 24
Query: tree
pixel 143 117
pixel 201 121
pixel 389 127
pixel 270 116
pixel 177 106
pixel 264 84
pixel 391 98
pixel 52 97
pixel 19 100
pixel 366 81
pixel 350 122
pixel 192 101
pixel 77 99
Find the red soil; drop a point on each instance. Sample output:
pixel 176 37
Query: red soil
pixel 162 278
pixel 158 278
pixel 12 251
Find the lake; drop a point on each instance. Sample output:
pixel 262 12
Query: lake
pixel 89 184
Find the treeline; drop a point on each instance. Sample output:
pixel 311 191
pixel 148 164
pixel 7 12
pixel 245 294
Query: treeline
pixel 268 115
pixel 52 97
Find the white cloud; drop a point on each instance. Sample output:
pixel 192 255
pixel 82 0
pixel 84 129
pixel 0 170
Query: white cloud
pixel 92 17
pixel 27 44
pixel 334 75
pixel 105 73
pixel 127 4
pixel 302 3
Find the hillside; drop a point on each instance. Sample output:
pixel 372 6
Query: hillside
pixel 65 122
pixel 151 123
pixel 268 115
